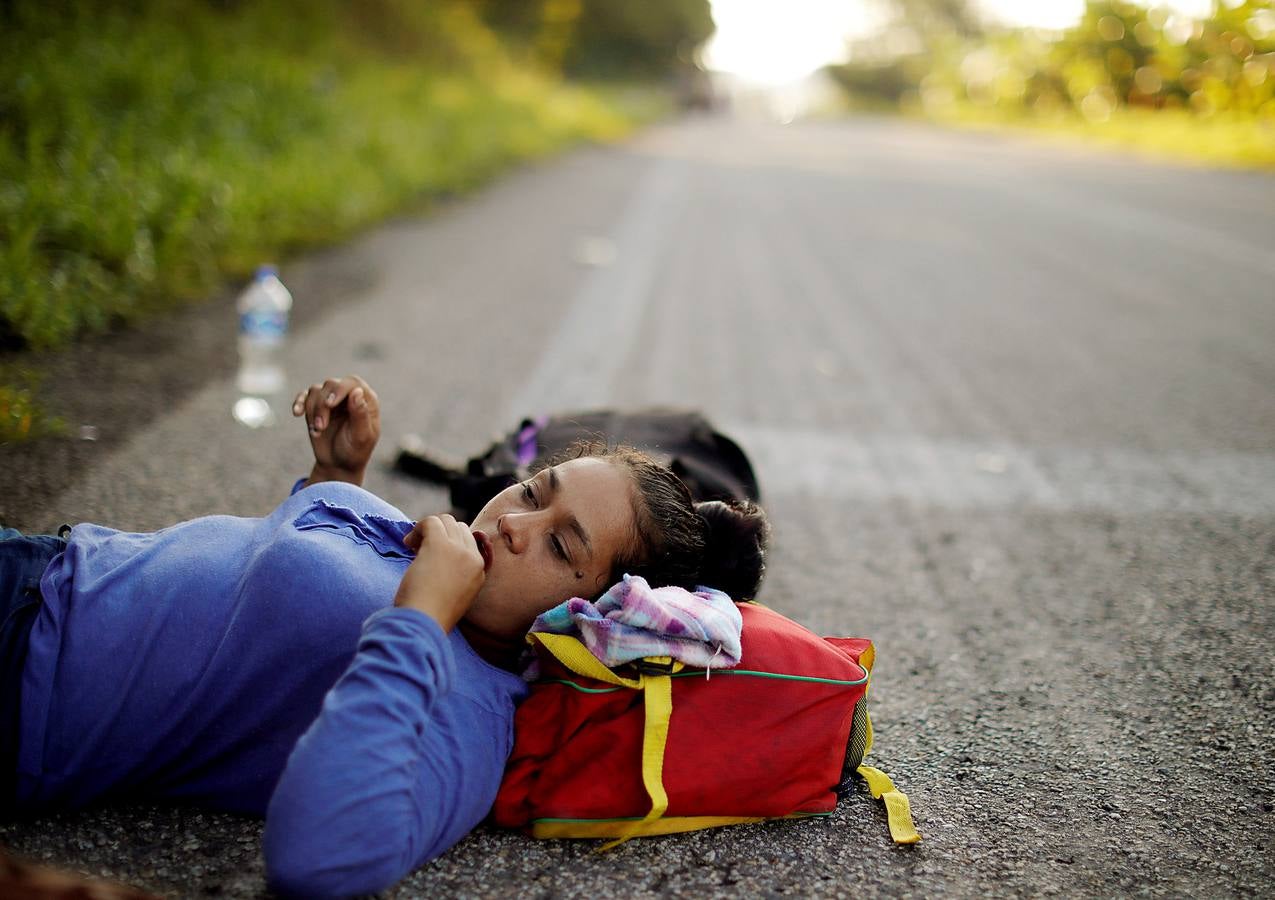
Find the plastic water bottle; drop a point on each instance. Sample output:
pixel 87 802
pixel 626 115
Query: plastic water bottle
pixel 263 324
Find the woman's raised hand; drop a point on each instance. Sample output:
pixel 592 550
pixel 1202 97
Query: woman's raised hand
pixel 344 421
pixel 447 573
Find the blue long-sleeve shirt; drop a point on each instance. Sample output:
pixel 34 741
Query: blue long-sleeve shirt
pixel 215 661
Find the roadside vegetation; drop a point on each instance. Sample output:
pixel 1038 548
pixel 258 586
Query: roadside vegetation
pixel 150 152
pixel 1128 74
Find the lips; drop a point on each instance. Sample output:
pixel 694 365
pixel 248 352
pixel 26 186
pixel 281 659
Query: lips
pixel 484 547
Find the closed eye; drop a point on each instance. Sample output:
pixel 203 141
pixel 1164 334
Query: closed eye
pixel 529 495
pixel 558 549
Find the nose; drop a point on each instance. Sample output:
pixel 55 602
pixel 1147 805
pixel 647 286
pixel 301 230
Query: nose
pixel 515 530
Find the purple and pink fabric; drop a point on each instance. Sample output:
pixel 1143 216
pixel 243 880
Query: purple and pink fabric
pixel 633 620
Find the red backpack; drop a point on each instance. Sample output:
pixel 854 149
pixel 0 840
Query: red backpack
pixel 656 747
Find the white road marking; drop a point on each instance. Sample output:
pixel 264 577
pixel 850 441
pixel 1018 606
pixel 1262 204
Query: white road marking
pixel 577 369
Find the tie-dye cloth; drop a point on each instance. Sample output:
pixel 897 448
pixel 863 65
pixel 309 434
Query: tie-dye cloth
pixel 634 620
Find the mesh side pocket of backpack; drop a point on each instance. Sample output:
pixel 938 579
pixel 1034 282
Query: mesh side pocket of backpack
pixel 856 748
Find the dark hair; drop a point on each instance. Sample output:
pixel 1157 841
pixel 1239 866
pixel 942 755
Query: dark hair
pixel 717 544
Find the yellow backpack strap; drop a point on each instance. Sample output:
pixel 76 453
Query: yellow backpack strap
pixel 573 654
pixel 897 809
pixel 657 688
pixel 653 680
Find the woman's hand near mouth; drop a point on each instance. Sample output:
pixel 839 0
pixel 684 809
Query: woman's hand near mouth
pixel 447 573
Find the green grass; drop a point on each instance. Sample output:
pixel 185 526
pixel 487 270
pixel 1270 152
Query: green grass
pixel 22 416
pixel 146 159
pixel 1222 140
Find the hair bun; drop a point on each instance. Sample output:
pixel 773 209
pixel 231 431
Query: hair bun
pixel 734 557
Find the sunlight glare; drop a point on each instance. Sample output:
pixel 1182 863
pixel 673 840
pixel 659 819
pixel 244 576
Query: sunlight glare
pixel 780 41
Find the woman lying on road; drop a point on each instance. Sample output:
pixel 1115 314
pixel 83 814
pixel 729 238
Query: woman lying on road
pixel 332 665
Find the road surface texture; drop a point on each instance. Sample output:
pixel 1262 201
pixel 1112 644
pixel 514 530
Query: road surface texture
pixel 1013 411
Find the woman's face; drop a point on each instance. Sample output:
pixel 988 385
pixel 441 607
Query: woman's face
pixel 553 537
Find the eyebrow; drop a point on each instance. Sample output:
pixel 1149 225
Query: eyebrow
pixel 572 522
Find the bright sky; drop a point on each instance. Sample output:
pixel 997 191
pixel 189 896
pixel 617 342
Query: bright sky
pixel 777 41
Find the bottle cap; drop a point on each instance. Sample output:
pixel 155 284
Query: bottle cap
pixel 267 270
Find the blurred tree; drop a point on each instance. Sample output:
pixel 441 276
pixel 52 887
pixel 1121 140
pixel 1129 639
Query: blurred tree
pixel 1119 53
pixel 887 67
pixel 1103 52
pixel 936 18
pixel 605 38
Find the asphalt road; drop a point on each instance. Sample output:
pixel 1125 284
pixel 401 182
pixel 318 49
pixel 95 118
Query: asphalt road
pixel 1013 410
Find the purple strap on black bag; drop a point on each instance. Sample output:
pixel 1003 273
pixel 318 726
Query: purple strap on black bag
pixel 528 448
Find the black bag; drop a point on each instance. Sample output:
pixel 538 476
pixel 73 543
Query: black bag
pixel 712 465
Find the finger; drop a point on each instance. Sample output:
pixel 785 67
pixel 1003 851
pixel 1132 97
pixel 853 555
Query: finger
pixel 319 399
pixel 357 383
pixel 364 426
pixel 418 538
pixel 325 396
pixel 298 403
pixel 454 528
pixel 373 401
pixel 312 408
pixel 365 413
pixel 461 532
pixel 335 390
pixel 466 540
pixel 433 529
pixel 463 537
pixel 457 532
